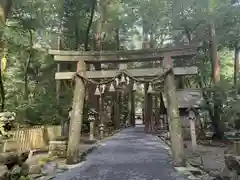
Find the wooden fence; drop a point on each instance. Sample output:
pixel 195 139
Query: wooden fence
pixel 33 138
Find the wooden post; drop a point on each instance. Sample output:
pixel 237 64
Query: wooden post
pixel 133 108
pixel 58 82
pixel 157 111
pixel 76 116
pixel 175 126
pixel 162 112
pixel 92 127
pixel 101 125
pixel 117 110
pixel 130 94
pixel 153 113
pixel 147 108
pixel 58 87
pixel 236 63
pixel 146 122
pixel 97 121
pixel 149 111
pixel 113 111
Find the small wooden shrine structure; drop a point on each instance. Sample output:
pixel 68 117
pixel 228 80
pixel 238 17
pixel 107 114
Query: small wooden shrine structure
pixel 162 71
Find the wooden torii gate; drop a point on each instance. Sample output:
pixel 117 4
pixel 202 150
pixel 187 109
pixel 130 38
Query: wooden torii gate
pixel 166 72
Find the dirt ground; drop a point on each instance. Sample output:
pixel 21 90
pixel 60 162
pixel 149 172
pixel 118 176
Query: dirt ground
pixel 211 158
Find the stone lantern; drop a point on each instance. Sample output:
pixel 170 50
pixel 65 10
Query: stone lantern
pixel 14 161
pixel 6 124
pixel 192 120
pixel 91 118
pixel 101 129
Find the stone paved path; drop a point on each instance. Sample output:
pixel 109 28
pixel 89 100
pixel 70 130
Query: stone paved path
pixel 128 155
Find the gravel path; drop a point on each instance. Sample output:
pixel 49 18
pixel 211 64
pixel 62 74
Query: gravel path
pixel 128 155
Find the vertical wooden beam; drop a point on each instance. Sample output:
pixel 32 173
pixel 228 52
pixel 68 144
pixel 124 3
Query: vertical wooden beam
pixel 149 111
pixel 175 126
pixel 154 112
pixel 112 109
pixel 130 94
pixel 76 116
pixel 133 108
pixel 236 63
pixel 117 110
pixel 58 86
pixel 101 121
pixel 58 82
pixel 123 98
pixel 162 112
pixel 58 91
pixel 143 111
pixel 145 107
pixel 123 112
pixel 157 110
pixel 97 122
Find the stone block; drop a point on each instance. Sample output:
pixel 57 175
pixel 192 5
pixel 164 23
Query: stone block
pixel 34 169
pixel 58 148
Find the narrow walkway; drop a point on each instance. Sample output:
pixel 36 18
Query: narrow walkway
pixel 128 155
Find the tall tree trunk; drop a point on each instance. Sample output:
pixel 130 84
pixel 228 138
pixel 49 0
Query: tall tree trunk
pixel 214 54
pixel 216 120
pixel 91 88
pixel 236 63
pixel 117 38
pixel 145 45
pixel 117 96
pixel 93 7
pixel 5 7
pixel 2 92
pixel 98 47
pixel 100 24
pixel 28 64
pixel 77 37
